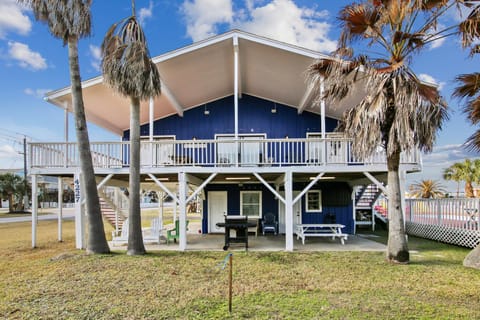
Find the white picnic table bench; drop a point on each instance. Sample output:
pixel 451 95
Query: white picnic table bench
pixel 321 230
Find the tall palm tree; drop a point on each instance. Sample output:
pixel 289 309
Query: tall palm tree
pixel 468 171
pixel 69 20
pixel 127 68
pixel 399 111
pixel 427 189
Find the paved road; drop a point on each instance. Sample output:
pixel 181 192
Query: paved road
pixel 68 214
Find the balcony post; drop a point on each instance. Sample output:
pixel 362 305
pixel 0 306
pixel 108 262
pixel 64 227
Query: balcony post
pixel 66 133
pixel 235 94
pixel 150 129
pixel 322 119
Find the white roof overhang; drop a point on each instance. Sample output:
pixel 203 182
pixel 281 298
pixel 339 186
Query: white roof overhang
pixel 203 72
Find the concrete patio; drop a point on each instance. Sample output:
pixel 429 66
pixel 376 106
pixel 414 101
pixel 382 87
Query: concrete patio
pixel 215 242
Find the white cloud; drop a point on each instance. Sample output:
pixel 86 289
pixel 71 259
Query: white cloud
pixel 429 79
pixel 281 20
pixel 96 54
pixel 285 21
pixel 145 13
pixel 13 19
pixel 9 157
pixel 38 93
pixel 204 16
pixel 25 56
pixel 439 41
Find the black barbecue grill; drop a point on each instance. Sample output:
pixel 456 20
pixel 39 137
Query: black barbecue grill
pixel 238 223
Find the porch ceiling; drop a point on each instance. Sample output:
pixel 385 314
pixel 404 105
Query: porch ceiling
pixel 204 72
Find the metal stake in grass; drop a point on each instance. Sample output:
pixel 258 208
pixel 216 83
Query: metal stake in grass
pixel 230 284
pixel 229 259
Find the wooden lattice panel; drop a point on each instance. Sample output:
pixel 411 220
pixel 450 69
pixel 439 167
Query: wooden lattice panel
pixel 461 237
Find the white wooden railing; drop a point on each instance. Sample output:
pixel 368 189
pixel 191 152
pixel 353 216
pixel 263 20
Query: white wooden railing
pixel 461 213
pixel 259 152
pixel 454 221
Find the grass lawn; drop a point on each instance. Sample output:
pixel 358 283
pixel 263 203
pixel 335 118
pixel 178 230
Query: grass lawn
pixel 56 281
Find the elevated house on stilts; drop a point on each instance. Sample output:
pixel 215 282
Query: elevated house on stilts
pixel 236 124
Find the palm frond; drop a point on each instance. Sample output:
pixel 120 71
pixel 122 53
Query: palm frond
pixel 470 27
pixel 358 21
pixel 65 19
pixel 126 62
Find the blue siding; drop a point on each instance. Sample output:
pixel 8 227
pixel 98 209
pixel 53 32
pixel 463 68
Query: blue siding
pixel 255 116
pixel 336 200
pixel 269 203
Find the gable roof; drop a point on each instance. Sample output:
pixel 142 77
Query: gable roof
pixel 203 72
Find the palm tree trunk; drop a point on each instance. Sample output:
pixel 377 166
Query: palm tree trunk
pixel 468 189
pixel 397 249
pixel 10 202
pixel 97 242
pixel 135 237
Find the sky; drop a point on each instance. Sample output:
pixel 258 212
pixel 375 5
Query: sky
pixel 32 62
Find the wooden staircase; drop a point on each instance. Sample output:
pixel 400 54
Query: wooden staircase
pixel 108 213
pixel 111 213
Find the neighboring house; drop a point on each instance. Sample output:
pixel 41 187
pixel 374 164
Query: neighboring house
pixel 237 124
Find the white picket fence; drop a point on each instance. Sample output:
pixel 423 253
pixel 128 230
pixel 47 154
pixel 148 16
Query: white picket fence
pixel 454 221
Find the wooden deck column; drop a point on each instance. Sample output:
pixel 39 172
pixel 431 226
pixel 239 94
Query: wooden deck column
pixel 79 211
pixel 288 211
pixel 34 210
pixel 60 207
pixel 182 197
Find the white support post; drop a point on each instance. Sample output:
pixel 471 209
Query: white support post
pixel 66 134
pixel 34 210
pixel 403 178
pixel 235 82
pixel 60 207
pixel 288 211
pixel 235 94
pixel 79 216
pixel 322 119
pixel 160 208
pixel 183 211
pixel 151 107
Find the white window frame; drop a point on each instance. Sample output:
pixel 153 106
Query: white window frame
pixel 307 208
pixel 259 192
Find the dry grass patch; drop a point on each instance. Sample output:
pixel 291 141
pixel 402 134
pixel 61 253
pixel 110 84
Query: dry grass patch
pixel 57 281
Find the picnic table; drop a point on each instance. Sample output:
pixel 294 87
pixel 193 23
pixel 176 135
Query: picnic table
pixel 333 230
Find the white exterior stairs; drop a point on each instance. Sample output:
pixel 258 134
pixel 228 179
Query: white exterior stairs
pixel 365 209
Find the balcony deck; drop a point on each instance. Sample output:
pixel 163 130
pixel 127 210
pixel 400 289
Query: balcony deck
pixel 241 155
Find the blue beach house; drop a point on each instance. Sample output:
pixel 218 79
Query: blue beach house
pixel 235 125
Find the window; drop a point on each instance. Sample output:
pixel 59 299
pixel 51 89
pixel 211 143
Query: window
pixel 313 201
pixel 251 203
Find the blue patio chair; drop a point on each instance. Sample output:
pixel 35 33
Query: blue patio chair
pixel 269 223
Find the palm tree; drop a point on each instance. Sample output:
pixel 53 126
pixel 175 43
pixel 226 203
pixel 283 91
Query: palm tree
pixel 127 68
pixel 427 189
pixel 11 186
pixel 468 171
pixel 468 89
pixel 69 20
pixel 399 111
